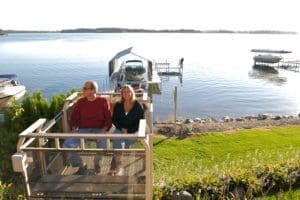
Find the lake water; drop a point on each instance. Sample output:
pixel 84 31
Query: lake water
pixel 218 77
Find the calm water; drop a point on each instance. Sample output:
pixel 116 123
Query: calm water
pixel 218 77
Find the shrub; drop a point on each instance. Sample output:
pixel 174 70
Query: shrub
pixel 253 176
pixel 16 118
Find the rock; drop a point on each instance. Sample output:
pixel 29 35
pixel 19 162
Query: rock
pixel 227 119
pixel 208 120
pixel 250 117
pixel 203 121
pixel 182 195
pixel 188 121
pixel 197 119
pixel 263 116
pixel 277 117
pixel 214 120
pixel 239 119
pixel 189 126
pixel 239 193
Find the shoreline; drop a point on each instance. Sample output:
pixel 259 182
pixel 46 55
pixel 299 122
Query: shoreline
pixel 198 126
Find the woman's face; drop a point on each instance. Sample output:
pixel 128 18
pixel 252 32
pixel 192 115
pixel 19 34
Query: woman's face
pixel 126 94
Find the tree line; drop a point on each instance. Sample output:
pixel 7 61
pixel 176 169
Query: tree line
pixel 127 30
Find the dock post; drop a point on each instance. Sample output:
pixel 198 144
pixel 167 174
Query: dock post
pixel 175 108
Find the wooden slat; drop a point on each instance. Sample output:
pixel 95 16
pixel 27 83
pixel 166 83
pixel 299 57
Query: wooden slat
pixel 89 188
pixel 85 196
pixel 37 124
pixel 96 179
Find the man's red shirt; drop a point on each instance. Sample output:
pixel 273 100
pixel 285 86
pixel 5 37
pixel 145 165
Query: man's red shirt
pixel 91 114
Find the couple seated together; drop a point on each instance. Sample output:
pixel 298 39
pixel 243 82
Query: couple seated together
pixel 92 114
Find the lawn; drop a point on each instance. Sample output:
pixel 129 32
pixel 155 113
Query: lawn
pixel 241 154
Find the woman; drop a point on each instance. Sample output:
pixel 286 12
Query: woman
pixel 126 118
pixel 126 115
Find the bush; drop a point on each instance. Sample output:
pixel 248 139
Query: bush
pixel 17 118
pixel 254 176
pixel 7 192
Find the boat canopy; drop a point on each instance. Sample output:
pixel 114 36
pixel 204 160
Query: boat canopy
pixel 122 53
pixel 113 62
pixel 8 76
pixel 269 51
pixel 125 52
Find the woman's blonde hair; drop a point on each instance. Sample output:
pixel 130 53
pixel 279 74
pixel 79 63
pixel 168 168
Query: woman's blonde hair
pixel 133 97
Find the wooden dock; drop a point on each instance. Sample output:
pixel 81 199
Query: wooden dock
pixel 61 181
pixel 292 65
pixel 165 69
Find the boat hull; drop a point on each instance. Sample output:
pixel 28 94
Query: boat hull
pixel 271 59
pixel 9 91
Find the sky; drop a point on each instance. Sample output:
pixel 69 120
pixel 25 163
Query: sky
pixel 236 15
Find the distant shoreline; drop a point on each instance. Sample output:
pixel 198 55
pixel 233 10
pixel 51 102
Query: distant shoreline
pixel 126 30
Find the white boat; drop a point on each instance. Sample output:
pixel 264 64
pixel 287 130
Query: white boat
pixel 134 70
pixel 10 86
pixel 127 67
pixel 268 56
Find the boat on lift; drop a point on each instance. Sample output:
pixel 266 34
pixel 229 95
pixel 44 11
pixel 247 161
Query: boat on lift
pixel 134 70
pixel 268 56
pixel 127 67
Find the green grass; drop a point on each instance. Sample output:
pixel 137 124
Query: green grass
pixel 289 195
pixel 206 157
pixel 215 148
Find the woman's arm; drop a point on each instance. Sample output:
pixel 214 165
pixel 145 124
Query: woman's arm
pixel 107 116
pixel 117 115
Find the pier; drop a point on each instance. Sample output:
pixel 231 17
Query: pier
pixel 165 68
pixel 292 65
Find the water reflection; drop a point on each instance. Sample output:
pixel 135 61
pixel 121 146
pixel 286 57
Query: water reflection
pixel 266 73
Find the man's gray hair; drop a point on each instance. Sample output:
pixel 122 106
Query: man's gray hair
pixel 94 85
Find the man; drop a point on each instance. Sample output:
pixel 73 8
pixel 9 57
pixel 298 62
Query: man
pixel 90 114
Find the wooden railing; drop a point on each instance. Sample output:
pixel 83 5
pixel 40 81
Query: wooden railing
pixel 40 158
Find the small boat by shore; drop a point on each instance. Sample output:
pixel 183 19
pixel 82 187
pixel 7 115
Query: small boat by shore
pixel 10 89
pixel 10 86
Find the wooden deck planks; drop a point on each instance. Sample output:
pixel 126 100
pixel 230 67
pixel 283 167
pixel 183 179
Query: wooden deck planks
pixel 132 183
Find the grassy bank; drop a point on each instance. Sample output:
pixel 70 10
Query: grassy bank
pixel 244 158
pixel 289 195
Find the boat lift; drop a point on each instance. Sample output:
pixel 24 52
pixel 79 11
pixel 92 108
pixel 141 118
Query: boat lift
pixel 164 69
pixel 41 159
